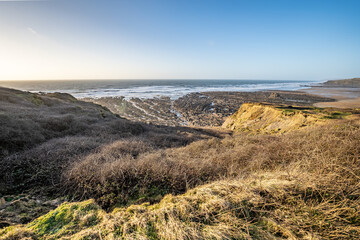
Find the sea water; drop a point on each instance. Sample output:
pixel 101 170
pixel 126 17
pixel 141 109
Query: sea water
pixel 150 88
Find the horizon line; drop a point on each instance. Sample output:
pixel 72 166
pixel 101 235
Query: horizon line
pixel 152 79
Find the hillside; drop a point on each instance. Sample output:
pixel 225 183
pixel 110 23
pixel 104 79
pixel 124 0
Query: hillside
pixel 299 185
pixel 256 184
pixel 29 119
pixel 43 135
pixel 350 83
pixel 266 118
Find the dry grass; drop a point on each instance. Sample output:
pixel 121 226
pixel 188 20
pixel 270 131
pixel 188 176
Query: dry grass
pixel 41 135
pixel 28 119
pixel 117 176
pixel 265 205
pixel 300 185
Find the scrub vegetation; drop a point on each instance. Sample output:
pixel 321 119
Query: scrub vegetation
pixel 123 180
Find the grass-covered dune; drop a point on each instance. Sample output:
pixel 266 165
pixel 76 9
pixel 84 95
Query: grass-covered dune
pixel 29 119
pixel 300 185
pixel 254 184
pixel 269 118
pixel 43 136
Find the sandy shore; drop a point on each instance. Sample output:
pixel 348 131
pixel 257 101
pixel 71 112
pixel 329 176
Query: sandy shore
pixel 346 97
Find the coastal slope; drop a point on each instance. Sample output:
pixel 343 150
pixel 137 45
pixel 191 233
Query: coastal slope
pixel 43 137
pixel 269 118
pixel 343 83
pixel 296 184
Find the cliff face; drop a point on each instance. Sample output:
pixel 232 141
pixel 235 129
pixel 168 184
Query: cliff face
pixel 261 118
pixel 348 83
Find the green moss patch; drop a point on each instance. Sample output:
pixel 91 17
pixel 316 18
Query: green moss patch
pixel 67 219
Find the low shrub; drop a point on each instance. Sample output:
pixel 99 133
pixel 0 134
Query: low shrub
pixel 119 177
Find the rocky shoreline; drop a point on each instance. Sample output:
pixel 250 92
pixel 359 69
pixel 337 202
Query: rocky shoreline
pixel 201 109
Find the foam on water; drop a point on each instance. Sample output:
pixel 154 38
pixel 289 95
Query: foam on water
pixel 151 88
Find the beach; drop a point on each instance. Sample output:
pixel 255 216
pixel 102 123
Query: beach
pixel 345 97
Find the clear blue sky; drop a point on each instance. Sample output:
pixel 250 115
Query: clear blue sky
pixel 186 39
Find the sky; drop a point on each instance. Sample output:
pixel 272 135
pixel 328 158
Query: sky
pixel 179 39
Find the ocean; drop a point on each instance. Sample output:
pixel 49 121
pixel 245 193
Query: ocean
pixel 151 88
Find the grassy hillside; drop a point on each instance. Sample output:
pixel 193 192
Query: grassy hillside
pixel 29 119
pixel 42 136
pixel 266 118
pixel 300 184
pixel 353 82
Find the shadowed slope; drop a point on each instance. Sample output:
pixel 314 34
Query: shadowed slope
pixel 43 135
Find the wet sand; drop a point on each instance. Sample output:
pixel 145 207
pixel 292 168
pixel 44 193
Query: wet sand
pixel 346 97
